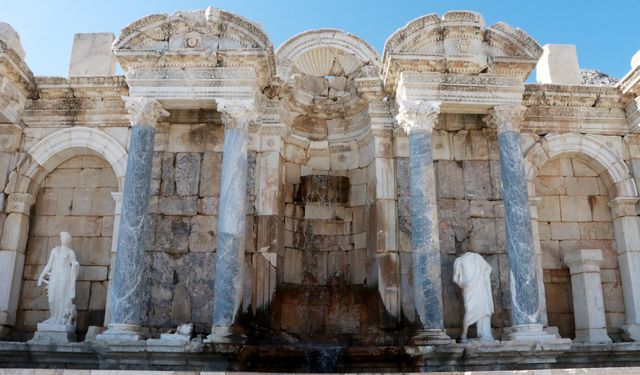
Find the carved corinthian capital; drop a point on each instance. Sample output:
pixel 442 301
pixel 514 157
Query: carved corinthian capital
pixel 237 113
pixel 506 118
pixel 143 111
pixel 418 115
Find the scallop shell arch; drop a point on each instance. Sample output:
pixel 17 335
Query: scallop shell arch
pixel 325 52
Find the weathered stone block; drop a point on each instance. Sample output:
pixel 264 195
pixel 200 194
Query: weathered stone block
pixel 549 208
pixel 450 180
pixel 477 179
pixel 91 55
pixel 179 206
pixel 187 173
pixel 574 208
pixel 565 231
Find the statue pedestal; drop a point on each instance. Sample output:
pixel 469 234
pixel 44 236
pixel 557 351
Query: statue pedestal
pixel 54 334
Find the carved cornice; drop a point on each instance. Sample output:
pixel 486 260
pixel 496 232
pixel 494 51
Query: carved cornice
pixel 418 116
pixel 144 111
pixel 506 118
pixel 16 70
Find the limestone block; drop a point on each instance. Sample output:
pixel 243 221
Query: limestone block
pixel 477 179
pixel 441 145
pixel 544 231
pixel 62 178
pixel 187 173
pixel 93 273
pixel 11 265
pixel 386 222
pixel 401 147
pixel 551 257
pixel 581 185
pixel 496 179
pixel 11 38
pixel 180 206
pixel 470 145
pixel 208 206
pixel 550 185
pixel 91 251
pixel 482 208
pixel 596 231
pixel 168 183
pixel 196 138
pixel 107 226
pixel 483 235
pixel 549 208
pixel 210 174
pixel 91 55
pixel 558 65
pixel 557 167
pixel 98 296
pixel 565 231
pixel 358 195
pixel 92 202
pixel 575 208
pixel 450 180
pixel 172 234
pixel 600 208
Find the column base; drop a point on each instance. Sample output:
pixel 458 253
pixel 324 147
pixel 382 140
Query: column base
pixel 592 336
pixel 529 332
pixel 432 337
pixel 4 332
pixel 631 331
pixel 122 332
pixel 225 335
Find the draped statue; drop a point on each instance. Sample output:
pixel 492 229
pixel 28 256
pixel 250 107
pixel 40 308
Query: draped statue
pixel 62 271
pixel 473 275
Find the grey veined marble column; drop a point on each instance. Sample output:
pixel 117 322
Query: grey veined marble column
pixel 418 119
pixel 525 310
pixel 126 288
pixel 229 275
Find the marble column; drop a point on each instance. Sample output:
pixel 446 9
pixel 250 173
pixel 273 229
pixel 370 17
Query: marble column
pixel 126 286
pixel 418 119
pixel 626 229
pixel 523 278
pixel 12 248
pixel 117 211
pixel 588 300
pixel 230 235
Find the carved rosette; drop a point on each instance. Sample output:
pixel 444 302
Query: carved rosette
pixel 144 111
pixel 237 114
pixel 506 118
pixel 418 116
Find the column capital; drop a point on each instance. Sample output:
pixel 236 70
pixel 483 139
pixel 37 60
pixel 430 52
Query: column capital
pixel 236 113
pixel 623 206
pixel 506 118
pixel 20 203
pixel 583 260
pixel 418 115
pixel 143 111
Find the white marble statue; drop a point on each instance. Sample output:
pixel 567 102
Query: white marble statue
pixel 473 275
pixel 62 271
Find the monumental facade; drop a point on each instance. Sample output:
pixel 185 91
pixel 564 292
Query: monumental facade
pixel 284 205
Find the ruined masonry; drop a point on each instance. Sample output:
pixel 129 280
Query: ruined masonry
pixel 301 209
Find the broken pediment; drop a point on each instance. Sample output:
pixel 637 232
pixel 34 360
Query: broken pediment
pixel 458 43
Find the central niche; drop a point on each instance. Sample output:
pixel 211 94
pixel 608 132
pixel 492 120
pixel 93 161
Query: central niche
pixel 322 226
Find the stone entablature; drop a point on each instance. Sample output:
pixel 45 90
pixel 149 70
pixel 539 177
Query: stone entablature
pixel 320 182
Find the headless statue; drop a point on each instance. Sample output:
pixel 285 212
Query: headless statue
pixel 62 271
pixel 473 275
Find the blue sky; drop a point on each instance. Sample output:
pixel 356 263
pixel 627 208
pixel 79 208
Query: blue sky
pixel 605 32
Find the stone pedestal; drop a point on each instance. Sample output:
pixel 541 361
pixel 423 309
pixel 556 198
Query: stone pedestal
pixel 588 300
pixel 126 289
pixel 229 276
pixel 54 334
pixel 418 119
pixel 525 308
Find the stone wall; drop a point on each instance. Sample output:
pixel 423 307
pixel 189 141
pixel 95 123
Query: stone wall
pixel 75 197
pixel 573 214
pixel 470 210
pixel 182 232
